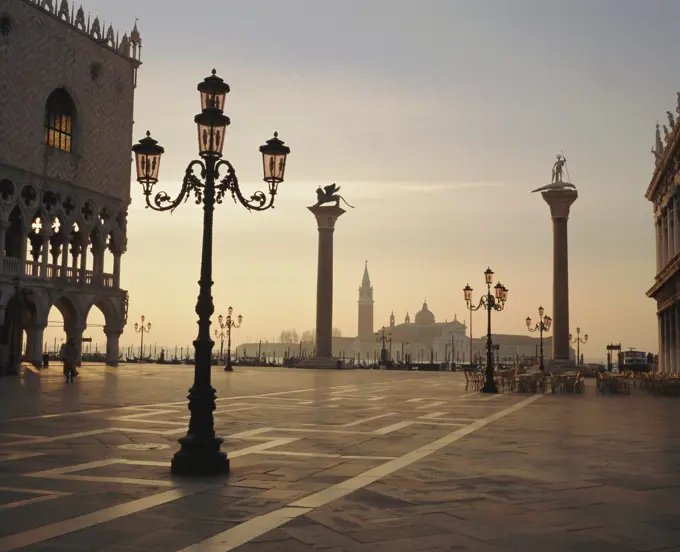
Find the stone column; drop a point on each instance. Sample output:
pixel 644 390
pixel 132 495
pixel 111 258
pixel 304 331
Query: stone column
pixel 112 346
pixel 34 344
pixel 676 226
pixel 667 342
pixel 45 258
pixel 671 231
pixel 658 230
pixel 22 250
pixel 664 239
pixel 676 337
pixel 325 218
pixel 64 256
pixel 560 201
pixel 671 340
pixel 116 269
pixel 4 225
pixel 82 279
pixel 659 318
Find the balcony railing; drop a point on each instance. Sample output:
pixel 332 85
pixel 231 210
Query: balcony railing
pixel 12 266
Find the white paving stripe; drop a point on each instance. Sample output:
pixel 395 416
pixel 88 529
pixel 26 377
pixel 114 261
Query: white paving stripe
pixel 352 424
pixel 258 526
pixel 431 405
pixel 59 528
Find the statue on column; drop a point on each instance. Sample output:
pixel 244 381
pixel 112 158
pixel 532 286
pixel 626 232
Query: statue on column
pixel 558 182
pixel 329 195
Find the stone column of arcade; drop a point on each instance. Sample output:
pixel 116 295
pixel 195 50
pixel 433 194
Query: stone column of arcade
pixel 559 195
pixel 325 218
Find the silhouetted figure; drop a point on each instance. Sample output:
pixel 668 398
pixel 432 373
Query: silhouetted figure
pixel 69 355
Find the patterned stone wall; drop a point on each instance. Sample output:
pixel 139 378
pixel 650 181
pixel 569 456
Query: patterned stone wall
pixel 40 53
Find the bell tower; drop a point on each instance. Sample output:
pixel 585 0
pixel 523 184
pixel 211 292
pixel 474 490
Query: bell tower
pixel 366 307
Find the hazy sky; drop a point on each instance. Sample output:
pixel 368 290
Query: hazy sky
pixel 437 118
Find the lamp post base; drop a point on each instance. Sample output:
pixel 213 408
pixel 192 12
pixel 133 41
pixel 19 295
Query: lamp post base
pixel 489 388
pixel 228 368
pixel 199 457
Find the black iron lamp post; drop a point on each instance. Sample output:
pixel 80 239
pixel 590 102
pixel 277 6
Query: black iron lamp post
pixel 490 303
pixel 578 340
pixel 543 325
pixel 382 338
pixel 209 180
pixel 142 329
pixel 227 324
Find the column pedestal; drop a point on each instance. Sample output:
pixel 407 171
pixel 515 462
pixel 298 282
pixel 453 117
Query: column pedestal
pixel 560 201
pixel 325 218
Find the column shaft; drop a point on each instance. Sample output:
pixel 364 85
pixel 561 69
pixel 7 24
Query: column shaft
pixel 676 336
pixel 671 232
pixel 672 322
pixel 676 226
pixel 4 225
pixel 657 229
pixel 660 356
pixel 116 270
pixel 560 289
pixel 324 295
pixel 667 348
pixel 664 240
pixel 112 348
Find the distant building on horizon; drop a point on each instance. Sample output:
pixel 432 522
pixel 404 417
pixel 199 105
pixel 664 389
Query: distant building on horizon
pixel 423 338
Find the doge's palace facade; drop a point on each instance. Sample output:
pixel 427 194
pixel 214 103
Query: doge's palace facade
pixel 67 85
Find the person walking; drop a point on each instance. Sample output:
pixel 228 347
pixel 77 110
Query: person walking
pixel 69 355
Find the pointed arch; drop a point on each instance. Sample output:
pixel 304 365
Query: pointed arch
pixel 60 115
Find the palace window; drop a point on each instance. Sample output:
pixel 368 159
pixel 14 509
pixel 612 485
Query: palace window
pixel 59 114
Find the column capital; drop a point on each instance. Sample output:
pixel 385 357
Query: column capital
pixel 559 201
pixel 326 216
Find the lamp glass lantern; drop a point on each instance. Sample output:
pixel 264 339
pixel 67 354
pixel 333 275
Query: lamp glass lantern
pixel 147 160
pixel 467 292
pixel 211 124
pixel 240 319
pixel 488 276
pixel 213 92
pixel 499 291
pixel 504 295
pixel 274 155
pixel 528 321
pixel 541 310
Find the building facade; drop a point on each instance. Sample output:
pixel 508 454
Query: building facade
pixel 66 113
pixel 665 197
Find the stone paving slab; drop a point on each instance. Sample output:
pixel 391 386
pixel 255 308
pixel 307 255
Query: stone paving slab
pixel 334 461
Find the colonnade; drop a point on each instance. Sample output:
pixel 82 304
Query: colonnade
pixel 668 234
pixel 669 339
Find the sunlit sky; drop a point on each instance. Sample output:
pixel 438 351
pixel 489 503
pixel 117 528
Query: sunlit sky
pixel 437 118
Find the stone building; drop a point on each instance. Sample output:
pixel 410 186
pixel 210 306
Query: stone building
pixel 66 103
pixel 665 197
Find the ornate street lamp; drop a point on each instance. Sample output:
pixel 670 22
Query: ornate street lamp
pixel 490 303
pixel 142 329
pixel 381 338
pixel 209 180
pixel 578 340
pixel 543 325
pixel 227 324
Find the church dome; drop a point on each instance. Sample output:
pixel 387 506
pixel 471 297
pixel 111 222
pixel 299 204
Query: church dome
pixel 424 317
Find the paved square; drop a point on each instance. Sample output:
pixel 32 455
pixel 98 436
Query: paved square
pixel 335 461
